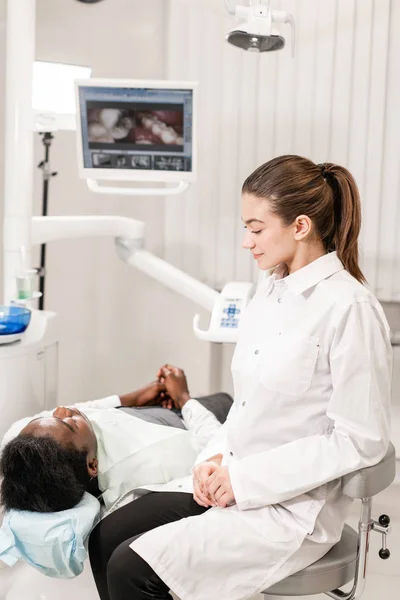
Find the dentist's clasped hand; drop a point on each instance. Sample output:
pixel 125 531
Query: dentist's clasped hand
pixel 219 488
pixel 201 474
pixel 212 484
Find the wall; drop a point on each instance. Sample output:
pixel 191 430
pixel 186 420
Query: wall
pixel 337 100
pixel 2 104
pixel 116 325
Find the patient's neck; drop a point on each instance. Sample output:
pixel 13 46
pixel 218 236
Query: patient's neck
pixel 93 487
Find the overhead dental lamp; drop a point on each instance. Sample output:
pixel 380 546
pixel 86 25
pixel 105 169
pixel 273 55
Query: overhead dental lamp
pixel 258 32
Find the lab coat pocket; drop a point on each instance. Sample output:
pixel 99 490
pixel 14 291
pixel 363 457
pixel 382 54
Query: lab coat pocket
pixel 289 364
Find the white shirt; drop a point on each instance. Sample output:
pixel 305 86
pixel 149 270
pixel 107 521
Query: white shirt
pixel 133 453
pixel 312 376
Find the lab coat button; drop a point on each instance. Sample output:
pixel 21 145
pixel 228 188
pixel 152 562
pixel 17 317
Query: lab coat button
pixel 244 403
pixel 231 453
pixel 256 352
pixel 280 300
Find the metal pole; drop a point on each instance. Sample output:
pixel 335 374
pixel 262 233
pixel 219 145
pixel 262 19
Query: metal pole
pixel 18 171
pixel 47 174
pixel 216 367
pixel 364 530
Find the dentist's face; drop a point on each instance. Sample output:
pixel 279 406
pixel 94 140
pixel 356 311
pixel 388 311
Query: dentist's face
pixel 268 239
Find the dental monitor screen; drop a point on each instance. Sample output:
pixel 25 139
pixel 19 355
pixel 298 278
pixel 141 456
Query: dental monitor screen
pixel 131 130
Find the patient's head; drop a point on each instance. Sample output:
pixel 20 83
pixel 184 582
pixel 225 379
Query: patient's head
pixel 48 466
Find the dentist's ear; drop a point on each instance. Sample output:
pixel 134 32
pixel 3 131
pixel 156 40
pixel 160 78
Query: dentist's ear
pixel 303 227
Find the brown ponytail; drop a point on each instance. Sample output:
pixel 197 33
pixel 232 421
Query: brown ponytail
pixel 326 193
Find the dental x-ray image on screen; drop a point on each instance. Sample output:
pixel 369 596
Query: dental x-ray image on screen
pixel 127 130
pixel 138 127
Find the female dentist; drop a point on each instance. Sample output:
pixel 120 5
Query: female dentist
pixel 312 373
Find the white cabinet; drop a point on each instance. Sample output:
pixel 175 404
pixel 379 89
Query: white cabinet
pixel 28 371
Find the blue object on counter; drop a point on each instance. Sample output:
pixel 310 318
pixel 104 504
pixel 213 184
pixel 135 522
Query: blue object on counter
pixel 14 319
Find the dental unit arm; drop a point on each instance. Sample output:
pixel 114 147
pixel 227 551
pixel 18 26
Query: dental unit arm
pixel 226 307
pixel 129 241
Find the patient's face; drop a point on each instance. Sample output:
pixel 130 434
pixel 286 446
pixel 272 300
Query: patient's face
pixel 68 426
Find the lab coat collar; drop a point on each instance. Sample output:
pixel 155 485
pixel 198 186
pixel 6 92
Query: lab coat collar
pixel 307 277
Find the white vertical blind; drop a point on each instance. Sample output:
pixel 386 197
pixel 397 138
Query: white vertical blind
pixel 337 100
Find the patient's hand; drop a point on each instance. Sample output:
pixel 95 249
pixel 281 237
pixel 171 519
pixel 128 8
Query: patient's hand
pixel 149 395
pixel 176 385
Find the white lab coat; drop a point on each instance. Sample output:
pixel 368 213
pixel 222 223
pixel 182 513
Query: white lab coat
pixel 312 373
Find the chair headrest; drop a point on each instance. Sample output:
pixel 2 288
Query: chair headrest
pixel 53 543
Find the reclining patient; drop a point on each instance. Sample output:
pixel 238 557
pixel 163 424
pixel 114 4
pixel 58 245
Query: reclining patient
pixel 54 466
pixel 117 444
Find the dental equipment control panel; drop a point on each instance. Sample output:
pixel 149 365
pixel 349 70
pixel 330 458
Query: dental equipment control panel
pixel 231 312
pixel 226 314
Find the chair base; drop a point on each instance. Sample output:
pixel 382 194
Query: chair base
pixel 331 572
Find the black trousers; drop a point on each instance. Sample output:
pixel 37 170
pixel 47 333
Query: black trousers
pixel 119 573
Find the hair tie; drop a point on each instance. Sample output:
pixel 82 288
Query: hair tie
pixel 324 170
